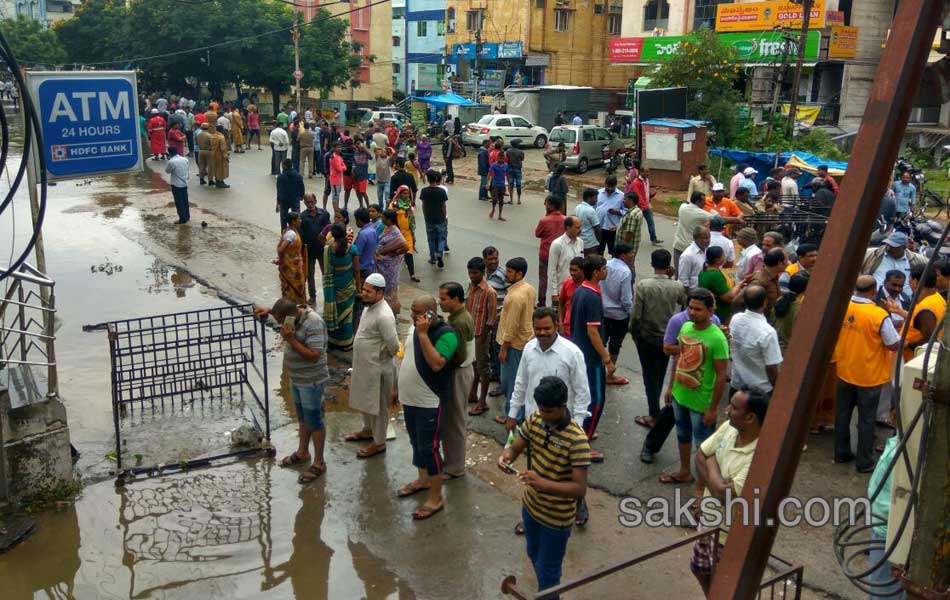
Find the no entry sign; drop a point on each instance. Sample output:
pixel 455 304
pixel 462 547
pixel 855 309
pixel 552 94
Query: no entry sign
pixel 90 122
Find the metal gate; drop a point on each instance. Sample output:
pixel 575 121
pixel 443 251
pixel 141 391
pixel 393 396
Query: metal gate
pixel 167 364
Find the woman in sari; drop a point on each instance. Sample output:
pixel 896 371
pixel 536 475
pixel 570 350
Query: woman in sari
pixel 389 256
pixel 237 131
pixel 341 281
pixel 406 219
pixel 424 150
pixel 291 262
pixel 176 138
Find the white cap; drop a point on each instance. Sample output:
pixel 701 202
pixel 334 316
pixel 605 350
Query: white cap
pixel 376 280
pixel 749 171
pixel 718 187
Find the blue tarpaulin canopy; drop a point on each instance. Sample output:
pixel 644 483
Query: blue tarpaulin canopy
pixel 763 162
pixel 443 100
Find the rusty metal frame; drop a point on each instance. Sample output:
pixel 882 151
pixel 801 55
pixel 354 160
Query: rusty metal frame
pixel 796 392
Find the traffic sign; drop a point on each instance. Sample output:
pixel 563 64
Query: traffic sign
pixel 89 120
pixel 298 74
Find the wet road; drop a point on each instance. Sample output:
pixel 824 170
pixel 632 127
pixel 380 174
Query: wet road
pixel 346 531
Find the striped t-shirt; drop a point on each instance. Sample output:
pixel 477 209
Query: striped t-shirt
pixel 554 452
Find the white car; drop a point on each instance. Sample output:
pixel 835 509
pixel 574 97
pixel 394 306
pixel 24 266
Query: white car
pixel 506 127
pixel 390 116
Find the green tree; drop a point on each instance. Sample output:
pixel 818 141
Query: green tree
pixel 31 42
pixel 97 33
pixel 709 69
pixel 327 59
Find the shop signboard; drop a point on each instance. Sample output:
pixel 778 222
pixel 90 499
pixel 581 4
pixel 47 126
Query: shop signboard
pixel 464 51
pixel 751 47
pixel 492 79
pixel 764 16
pixel 843 42
pixel 510 50
pixel 427 77
pixel 834 17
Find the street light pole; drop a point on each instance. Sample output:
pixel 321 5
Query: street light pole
pixel 295 33
pixel 806 18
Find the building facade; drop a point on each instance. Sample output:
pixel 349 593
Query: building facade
pixel 399 46
pixel 33 9
pixel 60 10
pixel 425 46
pixel 529 42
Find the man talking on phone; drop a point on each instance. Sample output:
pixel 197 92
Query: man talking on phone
pixel 424 387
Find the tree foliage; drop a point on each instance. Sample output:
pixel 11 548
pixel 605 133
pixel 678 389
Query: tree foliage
pixel 110 30
pixel 31 42
pixel 710 70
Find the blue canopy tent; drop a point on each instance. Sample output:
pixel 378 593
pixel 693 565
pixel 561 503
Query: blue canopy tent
pixel 443 100
pixel 764 161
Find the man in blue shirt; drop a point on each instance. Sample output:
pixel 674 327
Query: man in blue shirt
pixel 483 170
pixel 366 243
pixel 610 209
pixel 749 181
pixel 617 294
pixel 590 223
pixel 905 194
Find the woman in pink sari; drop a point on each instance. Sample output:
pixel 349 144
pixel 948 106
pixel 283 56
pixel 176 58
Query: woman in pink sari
pixel 176 138
pixel 389 257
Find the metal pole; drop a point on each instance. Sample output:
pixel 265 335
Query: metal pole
pixel 929 559
pixel 778 88
pixel 900 71
pixel 475 73
pixel 793 109
pixel 296 35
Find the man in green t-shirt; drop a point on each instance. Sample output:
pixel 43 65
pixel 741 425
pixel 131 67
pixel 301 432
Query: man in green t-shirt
pixel 452 301
pixel 699 380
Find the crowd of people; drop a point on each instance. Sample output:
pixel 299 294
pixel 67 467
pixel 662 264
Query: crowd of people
pixel 711 322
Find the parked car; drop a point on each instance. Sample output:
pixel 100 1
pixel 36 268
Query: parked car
pixel 390 116
pixel 507 127
pixel 584 144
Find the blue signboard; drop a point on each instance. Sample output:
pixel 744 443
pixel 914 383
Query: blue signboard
pixel 490 51
pixel 510 50
pixel 89 120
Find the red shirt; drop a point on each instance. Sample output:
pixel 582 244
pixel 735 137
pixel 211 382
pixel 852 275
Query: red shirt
pixel 550 227
pixel 199 119
pixel 641 188
pixel 565 295
pixel 834 184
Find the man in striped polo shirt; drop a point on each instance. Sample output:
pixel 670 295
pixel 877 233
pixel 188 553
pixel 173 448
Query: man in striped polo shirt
pixel 556 477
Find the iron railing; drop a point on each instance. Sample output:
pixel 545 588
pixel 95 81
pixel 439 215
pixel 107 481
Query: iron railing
pixel 27 331
pixel 786 583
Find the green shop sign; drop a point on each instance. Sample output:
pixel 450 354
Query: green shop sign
pixel 751 46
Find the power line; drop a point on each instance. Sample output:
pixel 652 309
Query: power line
pixel 230 42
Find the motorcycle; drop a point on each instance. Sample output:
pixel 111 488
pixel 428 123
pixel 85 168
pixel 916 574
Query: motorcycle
pixel 925 232
pixel 614 159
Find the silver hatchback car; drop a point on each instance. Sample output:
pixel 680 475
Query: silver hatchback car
pixel 583 144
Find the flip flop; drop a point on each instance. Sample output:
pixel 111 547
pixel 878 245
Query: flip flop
pixel 424 512
pixel 500 420
pixel 367 452
pixel 668 478
pixel 643 421
pixel 312 474
pixel 619 381
pixel 519 529
pixel 596 457
pixel 292 459
pixel 357 437
pixel 409 490
pixel 477 410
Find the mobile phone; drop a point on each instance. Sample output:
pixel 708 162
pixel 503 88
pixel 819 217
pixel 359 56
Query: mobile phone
pixel 511 469
pixel 291 320
pixel 430 315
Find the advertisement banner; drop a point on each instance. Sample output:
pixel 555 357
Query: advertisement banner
pixel 761 16
pixel 843 42
pixel 510 50
pixel 427 77
pixel 464 51
pixel 492 79
pixel 418 114
pixel 752 47
pixel 834 17
pixel 805 116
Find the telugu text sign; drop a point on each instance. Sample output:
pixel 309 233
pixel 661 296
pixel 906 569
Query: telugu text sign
pixel 843 42
pixel 90 122
pixel 762 16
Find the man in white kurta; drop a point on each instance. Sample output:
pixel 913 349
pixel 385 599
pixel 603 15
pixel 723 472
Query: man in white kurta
pixel 374 346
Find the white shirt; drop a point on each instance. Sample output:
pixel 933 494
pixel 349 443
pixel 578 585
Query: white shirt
pixel 563 250
pixel 789 187
pixel 577 120
pixel 689 217
pixel 744 257
pixel 563 360
pixel 716 238
pixel 290 236
pixel 278 137
pixel 753 345
pixel 413 390
pixel 224 122
pixel 177 167
pixel 691 265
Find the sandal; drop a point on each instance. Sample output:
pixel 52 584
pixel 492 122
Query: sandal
pixel 668 478
pixel 424 512
pixel 596 457
pixel 370 451
pixel 477 410
pixel 643 421
pixel 618 381
pixel 500 420
pixel 583 515
pixel 414 278
pixel 519 528
pixel 312 473
pixel 357 436
pixel 293 459
pixel 409 490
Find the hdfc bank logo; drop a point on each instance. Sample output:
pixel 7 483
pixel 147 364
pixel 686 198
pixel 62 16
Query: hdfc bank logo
pixel 59 152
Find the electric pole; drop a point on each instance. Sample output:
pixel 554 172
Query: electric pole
pixel 295 33
pixel 780 79
pixel 806 18
pixel 475 72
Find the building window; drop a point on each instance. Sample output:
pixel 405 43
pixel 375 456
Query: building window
pixel 704 15
pixel 450 20
pixel 440 27
pixel 539 3
pixel 396 41
pixel 613 24
pixel 473 20
pixel 399 13
pixel 360 19
pixel 421 28
pixel 598 9
pixel 562 19
pixel 656 15
pixel 396 68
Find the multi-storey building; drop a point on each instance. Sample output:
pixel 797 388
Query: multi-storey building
pixel 399 46
pixel 33 9
pixel 425 46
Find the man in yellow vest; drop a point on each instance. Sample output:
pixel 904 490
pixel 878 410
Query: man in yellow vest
pixel 864 361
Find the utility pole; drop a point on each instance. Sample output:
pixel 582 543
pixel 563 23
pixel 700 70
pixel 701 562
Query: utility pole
pixel 780 79
pixel 478 50
pixel 295 34
pixel 806 18
pixel 928 572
